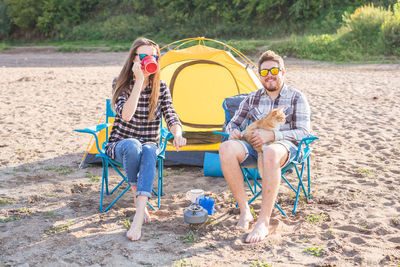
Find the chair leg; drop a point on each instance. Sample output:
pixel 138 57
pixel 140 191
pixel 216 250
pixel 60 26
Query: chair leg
pixel 276 205
pixel 105 189
pixel 309 177
pixel 105 175
pixel 160 181
pixel 103 183
pixel 299 187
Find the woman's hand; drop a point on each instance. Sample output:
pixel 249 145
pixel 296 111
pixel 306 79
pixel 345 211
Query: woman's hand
pixel 179 141
pixel 138 72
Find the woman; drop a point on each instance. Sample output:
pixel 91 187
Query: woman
pixel 140 99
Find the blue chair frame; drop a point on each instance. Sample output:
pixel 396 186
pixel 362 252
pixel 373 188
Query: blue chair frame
pixel 301 159
pixel 107 161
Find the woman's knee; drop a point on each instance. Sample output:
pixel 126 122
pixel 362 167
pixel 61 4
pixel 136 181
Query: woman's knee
pixel 132 147
pixel 149 148
pixel 149 152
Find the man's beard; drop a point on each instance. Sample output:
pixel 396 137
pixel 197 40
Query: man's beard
pixel 275 88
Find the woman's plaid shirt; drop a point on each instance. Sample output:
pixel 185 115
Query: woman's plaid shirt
pixel 139 127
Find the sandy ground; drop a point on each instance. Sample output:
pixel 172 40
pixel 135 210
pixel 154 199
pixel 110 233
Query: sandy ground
pixel 49 208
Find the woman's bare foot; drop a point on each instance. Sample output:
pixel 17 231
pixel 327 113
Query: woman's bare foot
pixel 135 232
pixel 245 219
pixel 147 218
pixel 259 232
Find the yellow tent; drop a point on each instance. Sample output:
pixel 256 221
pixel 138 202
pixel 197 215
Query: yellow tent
pixel 200 78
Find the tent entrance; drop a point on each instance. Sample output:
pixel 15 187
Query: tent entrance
pixel 198 99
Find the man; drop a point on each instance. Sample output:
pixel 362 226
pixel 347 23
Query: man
pixel 278 146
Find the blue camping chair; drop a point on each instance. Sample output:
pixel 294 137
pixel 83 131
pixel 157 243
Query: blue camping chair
pixel 107 161
pixel 301 160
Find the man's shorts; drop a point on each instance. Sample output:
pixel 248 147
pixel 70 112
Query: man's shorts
pixel 250 160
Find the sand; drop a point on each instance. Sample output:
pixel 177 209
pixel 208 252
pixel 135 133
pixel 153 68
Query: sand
pixel 49 207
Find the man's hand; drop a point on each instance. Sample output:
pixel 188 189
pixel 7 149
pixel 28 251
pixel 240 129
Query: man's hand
pixel 179 141
pixel 235 135
pixel 260 137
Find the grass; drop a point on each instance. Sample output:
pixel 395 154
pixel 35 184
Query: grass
pixel 76 46
pixel 365 171
pixel 50 194
pixel 25 211
pixel 93 178
pixel 60 169
pixel 179 171
pixel 259 264
pixel 50 214
pixel 126 222
pixel 313 218
pixel 183 263
pixel 318 47
pixel 253 213
pixel 4 46
pixel 9 219
pixel 191 237
pixel 316 251
pixel 58 229
pixel 5 202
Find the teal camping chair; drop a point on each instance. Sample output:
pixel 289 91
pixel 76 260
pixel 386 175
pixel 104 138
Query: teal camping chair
pixel 301 161
pixel 107 161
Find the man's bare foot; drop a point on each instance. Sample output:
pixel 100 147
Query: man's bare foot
pixel 259 232
pixel 147 217
pixel 245 219
pixel 135 232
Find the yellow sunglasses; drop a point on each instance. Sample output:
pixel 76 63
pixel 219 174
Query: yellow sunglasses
pixel 274 71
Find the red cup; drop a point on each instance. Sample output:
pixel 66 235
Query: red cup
pixel 149 64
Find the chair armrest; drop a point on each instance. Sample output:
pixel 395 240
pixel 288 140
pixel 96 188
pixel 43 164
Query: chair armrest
pixel 165 136
pixel 221 133
pixel 304 147
pixel 93 130
pixel 225 136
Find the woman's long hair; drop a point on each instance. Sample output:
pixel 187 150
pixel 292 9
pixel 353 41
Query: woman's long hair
pixel 126 75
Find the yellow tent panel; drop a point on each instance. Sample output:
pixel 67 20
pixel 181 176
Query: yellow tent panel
pixel 200 78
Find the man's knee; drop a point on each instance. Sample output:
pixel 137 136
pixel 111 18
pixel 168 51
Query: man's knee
pixel 231 150
pixel 271 157
pixel 225 148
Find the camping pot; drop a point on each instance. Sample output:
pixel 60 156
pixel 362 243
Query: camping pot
pixel 149 64
pixel 195 214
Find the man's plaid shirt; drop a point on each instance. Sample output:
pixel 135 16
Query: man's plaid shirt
pixel 257 104
pixel 139 127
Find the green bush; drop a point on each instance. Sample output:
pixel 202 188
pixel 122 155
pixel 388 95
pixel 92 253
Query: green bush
pixel 24 13
pixel 391 32
pixel 365 23
pixel 5 22
pixel 369 34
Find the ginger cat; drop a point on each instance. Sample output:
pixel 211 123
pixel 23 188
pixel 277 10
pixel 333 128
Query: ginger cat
pixel 271 121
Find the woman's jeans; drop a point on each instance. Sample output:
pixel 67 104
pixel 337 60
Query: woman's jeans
pixel 139 163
